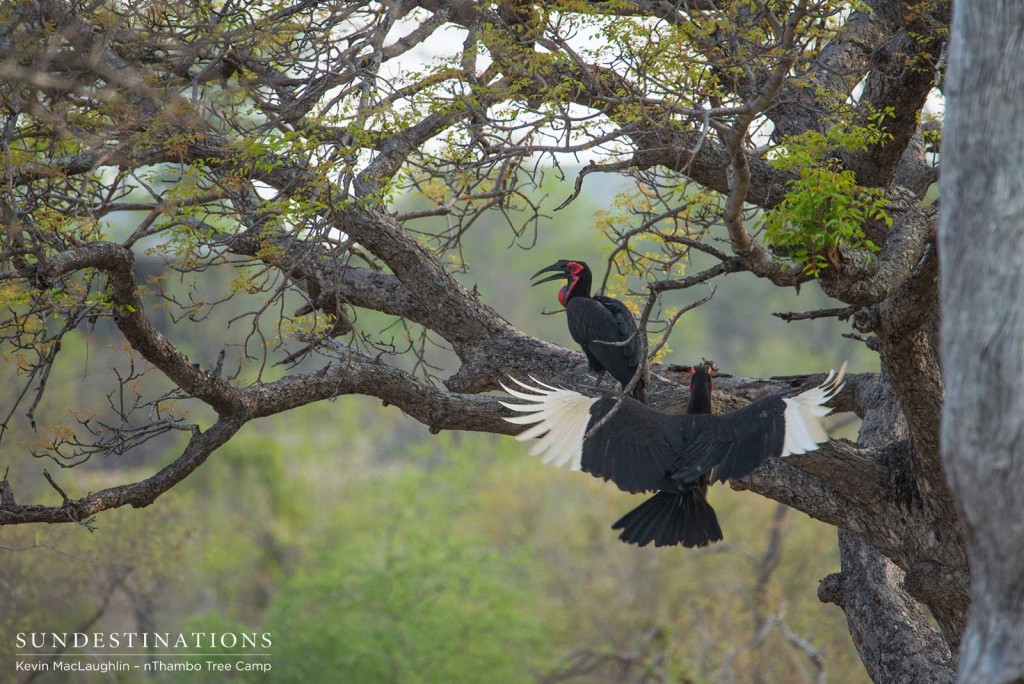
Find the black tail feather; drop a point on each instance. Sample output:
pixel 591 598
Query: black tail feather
pixel 672 518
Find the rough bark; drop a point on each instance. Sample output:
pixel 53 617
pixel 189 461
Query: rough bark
pixel 891 631
pixel 878 592
pixel 982 328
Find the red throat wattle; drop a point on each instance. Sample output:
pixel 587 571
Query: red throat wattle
pixel 563 295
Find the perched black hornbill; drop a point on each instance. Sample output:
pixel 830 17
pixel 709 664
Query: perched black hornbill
pixel 683 516
pixel 641 449
pixel 603 326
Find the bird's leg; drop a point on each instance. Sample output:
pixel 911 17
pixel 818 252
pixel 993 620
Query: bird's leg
pixel 600 376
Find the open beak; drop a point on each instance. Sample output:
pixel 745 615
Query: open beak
pixel 560 273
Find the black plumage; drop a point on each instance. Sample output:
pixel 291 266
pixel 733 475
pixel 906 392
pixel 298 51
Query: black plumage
pixel 602 326
pixel 643 450
pixel 683 516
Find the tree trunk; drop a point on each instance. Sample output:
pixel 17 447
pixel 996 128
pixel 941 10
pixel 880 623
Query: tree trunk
pixel 891 630
pixel 981 246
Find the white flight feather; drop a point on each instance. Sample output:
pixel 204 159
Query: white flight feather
pixel 804 431
pixel 559 419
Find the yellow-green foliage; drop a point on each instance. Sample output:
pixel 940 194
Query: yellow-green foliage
pixel 824 206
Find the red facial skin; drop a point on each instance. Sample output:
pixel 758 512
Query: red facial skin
pixel 574 276
pixel 693 370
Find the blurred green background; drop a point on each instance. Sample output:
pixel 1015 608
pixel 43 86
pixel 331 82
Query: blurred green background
pixel 373 551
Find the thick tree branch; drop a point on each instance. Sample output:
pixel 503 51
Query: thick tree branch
pixel 902 76
pixel 864 280
pixel 128 312
pixel 804 104
pixel 889 628
pixel 138 494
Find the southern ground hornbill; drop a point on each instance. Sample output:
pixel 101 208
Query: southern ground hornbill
pixel 683 516
pixel 601 325
pixel 641 449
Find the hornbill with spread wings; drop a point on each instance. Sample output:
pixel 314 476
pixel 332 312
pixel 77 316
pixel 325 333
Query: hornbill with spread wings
pixel 642 450
pixel 601 325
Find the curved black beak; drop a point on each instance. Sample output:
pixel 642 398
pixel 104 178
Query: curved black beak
pixel 561 272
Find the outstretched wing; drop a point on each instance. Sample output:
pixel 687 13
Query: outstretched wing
pixel 636 448
pixel 559 419
pixel 732 445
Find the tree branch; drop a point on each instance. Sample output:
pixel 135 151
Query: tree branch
pixel 889 628
pixel 128 312
pixel 138 494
